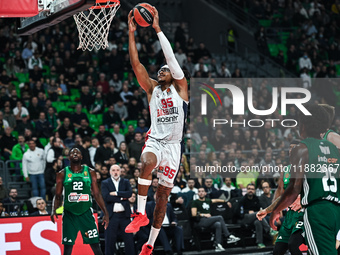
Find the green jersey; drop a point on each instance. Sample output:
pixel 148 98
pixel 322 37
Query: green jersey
pixel 321 177
pixel 326 134
pixel 77 188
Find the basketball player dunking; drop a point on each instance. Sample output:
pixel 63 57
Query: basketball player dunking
pixel 168 101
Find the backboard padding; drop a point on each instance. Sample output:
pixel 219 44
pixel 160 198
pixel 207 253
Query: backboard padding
pixel 18 8
pixel 61 11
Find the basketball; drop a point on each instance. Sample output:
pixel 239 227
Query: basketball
pixel 143 14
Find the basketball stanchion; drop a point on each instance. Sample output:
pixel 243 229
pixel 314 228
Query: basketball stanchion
pixel 94 24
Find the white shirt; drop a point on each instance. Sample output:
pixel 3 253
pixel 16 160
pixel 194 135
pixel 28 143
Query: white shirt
pixel 24 111
pixel 118 207
pixel 305 62
pixel 119 138
pixel 33 162
pixel 92 151
pixel 5 123
pixel 166 222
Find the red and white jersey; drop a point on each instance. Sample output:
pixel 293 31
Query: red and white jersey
pixel 168 112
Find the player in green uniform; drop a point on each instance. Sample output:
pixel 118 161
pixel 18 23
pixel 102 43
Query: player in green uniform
pixel 314 175
pixel 78 180
pixel 291 232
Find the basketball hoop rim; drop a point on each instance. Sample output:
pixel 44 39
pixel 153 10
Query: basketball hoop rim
pixel 103 4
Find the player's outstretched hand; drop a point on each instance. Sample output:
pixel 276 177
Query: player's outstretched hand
pixel 52 216
pixel 155 23
pixel 274 217
pixel 105 221
pixel 131 22
pixel 261 214
pixel 296 206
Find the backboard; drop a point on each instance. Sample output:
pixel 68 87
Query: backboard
pixel 51 12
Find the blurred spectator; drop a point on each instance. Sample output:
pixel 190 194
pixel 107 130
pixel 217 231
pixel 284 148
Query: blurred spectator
pixel 249 205
pixel 104 152
pixel 84 148
pixel 121 109
pixel 98 104
pixel 244 178
pixel 3 190
pixel 41 206
pixel 85 129
pixel 3 123
pixel 86 98
pixel 305 62
pixel 135 147
pixel 102 134
pixel 7 142
pixel 69 141
pixel 115 82
pixel 54 152
pixel 52 117
pixel 200 209
pixel 130 135
pixel 19 149
pixel 78 116
pixel 3 212
pixel 93 149
pixel 9 117
pixel 191 187
pixel 110 118
pixel 126 94
pixel 117 135
pixel 267 197
pixel 104 83
pixel 268 160
pixel 113 96
pixel 122 156
pixel 12 204
pixel 141 128
pixel 24 125
pixel 43 127
pixel 33 167
pixel 20 111
pixel 65 127
pixel 35 60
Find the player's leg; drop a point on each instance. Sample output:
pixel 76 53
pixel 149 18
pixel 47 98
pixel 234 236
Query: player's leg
pixel 295 241
pixel 162 195
pixel 88 227
pixel 150 159
pixel 170 165
pixel 68 249
pixel 96 249
pixel 280 248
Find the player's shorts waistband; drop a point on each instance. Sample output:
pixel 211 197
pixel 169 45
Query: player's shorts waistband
pixel 166 141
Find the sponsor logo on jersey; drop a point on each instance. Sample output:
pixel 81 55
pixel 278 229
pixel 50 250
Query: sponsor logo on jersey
pixel 69 175
pixel 167 111
pixel 74 197
pixel 327 160
pixel 85 173
pixel 167 119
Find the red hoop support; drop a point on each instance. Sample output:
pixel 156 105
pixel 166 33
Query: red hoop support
pixel 104 3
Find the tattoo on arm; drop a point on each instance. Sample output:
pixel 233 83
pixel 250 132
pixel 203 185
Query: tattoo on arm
pixel 270 208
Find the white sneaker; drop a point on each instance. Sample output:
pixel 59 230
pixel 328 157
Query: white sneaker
pixel 233 239
pixel 219 247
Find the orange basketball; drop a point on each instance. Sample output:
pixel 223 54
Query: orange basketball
pixel 143 14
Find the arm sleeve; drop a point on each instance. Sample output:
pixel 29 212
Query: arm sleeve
pixel 174 67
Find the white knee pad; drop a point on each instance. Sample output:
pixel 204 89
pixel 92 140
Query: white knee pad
pixel 144 181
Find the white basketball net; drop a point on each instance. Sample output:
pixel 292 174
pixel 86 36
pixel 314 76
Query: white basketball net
pixel 94 24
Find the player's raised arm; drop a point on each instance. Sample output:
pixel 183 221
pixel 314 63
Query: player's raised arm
pixel 142 75
pixel 57 202
pixel 175 69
